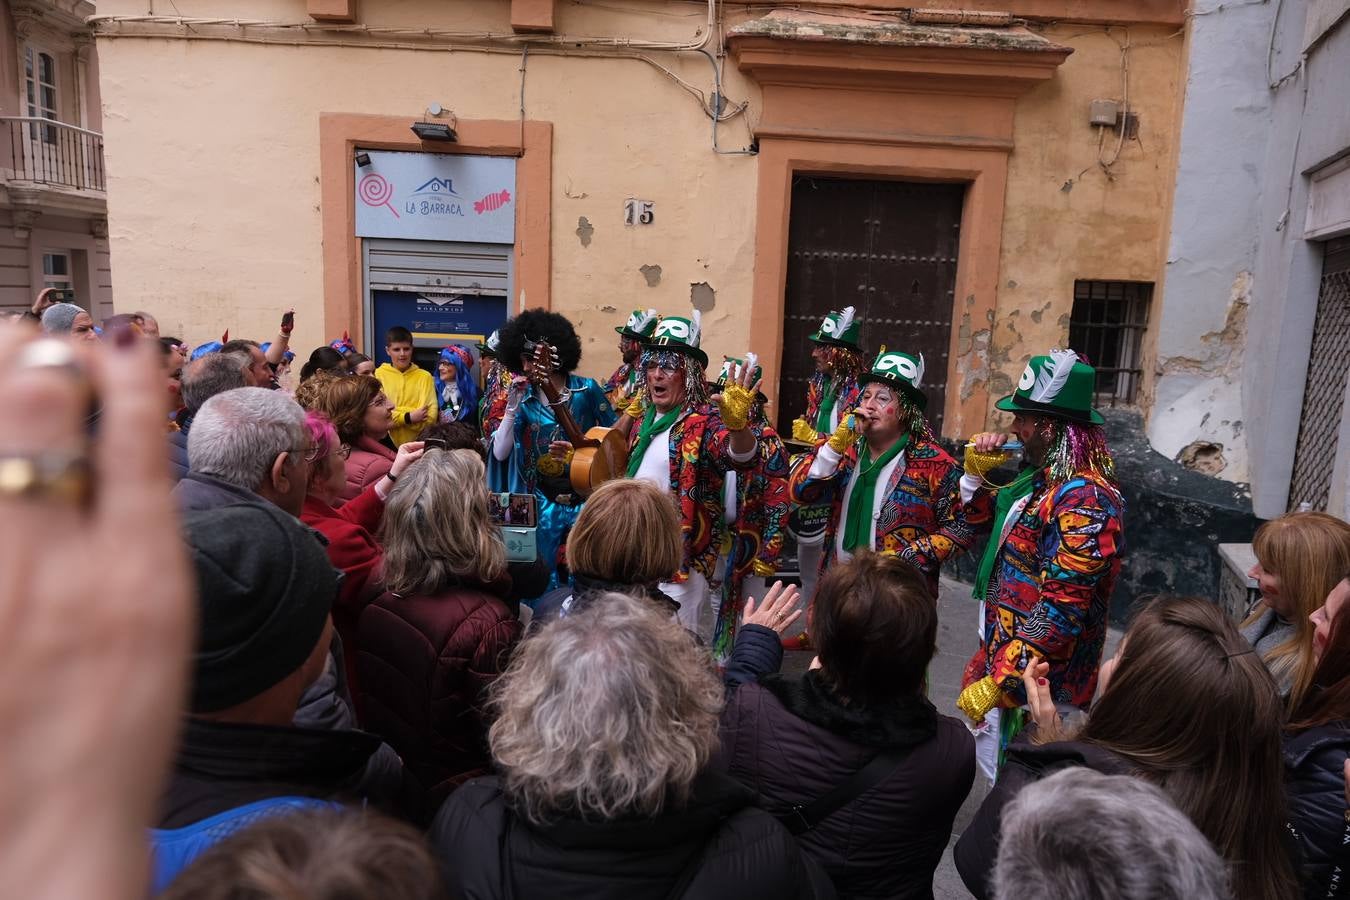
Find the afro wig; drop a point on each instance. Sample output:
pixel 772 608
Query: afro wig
pixel 520 333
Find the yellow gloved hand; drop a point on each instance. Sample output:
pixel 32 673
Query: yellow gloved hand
pixel 802 431
pixel 977 699
pixel 763 569
pixel 980 462
pixel 734 404
pixel 637 408
pixel 843 436
pixel 550 466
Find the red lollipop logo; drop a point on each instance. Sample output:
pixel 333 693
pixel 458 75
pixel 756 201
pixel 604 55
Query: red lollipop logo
pixel 375 191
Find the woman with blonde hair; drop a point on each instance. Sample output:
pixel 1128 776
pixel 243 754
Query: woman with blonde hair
pixel 606 723
pixel 626 539
pixel 442 631
pixel 1299 558
pixel 359 410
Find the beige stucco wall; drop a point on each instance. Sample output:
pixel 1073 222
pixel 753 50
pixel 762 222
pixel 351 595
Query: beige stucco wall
pixel 1065 219
pixel 213 164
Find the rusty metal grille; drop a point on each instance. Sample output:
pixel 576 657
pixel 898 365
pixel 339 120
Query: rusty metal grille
pixel 1107 326
pixel 1324 395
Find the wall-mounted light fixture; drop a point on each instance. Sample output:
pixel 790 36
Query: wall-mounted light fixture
pixel 363 159
pixel 434 131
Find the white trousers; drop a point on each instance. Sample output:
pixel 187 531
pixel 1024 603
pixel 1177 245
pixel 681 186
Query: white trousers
pixel 698 611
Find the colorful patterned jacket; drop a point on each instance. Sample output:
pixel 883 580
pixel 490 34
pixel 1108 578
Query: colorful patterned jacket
pixel 700 457
pixel 846 399
pixel 621 386
pixel 1050 591
pixel 492 405
pixel 756 537
pixel 922 518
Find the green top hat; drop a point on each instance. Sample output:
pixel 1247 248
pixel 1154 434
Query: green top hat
pixel 840 329
pixel 899 370
pixel 729 366
pixel 488 347
pixel 1058 385
pixel 676 333
pixel 640 325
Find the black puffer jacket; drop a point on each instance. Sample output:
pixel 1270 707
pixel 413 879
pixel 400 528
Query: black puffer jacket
pixel 794 741
pixel 718 847
pixel 1314 766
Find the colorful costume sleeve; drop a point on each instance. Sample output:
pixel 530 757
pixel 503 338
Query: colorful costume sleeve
pixel 808 491
pixel 1080 547
pixel 929 551
pixel 717 450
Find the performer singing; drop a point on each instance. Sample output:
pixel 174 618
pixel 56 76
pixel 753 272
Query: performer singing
pixel 528 430
pixel 830 395
pixel 755 510
pixel 622 385
pixel 892 488
pixel 1046 577
pixel 686 443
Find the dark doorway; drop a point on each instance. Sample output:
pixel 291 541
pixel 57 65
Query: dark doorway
pixel 887 248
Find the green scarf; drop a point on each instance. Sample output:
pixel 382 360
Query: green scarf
pixel 857 530
pixel 1003 503
pixel 652 425
pixel 831 388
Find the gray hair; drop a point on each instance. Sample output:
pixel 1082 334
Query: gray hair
pixel 237 435
pixel 59 318
pixel 212 374
pixel 608 712
pixel 1082 835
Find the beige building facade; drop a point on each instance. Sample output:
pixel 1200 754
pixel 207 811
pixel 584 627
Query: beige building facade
pixel 938 169
pixel 53 201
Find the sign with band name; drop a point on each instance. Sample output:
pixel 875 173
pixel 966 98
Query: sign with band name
pixel 436 197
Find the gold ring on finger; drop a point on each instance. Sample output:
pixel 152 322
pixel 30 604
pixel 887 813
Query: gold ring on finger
pixel 58 476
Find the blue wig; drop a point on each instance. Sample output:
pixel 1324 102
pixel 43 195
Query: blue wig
pixel 462 361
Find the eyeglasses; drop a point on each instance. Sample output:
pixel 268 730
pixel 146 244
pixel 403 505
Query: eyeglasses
pixel 312 453
pixel 344 451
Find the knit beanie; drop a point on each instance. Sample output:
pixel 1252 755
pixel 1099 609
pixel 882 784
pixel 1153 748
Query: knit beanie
pixel 264 591
pixel 59 318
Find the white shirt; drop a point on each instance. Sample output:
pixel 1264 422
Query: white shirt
pixel 655 465
pixel 826 463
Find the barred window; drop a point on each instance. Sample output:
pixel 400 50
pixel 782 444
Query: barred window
pixel 1107 326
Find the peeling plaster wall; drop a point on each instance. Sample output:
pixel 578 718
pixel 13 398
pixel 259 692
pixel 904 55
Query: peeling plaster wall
pixel 215 209
pixel 1199 334
pixel 1065 218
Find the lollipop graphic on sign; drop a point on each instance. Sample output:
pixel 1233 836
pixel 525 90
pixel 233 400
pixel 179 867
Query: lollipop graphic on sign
pixel 375 191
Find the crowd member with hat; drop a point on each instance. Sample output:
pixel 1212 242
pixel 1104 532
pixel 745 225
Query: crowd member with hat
pixel 525 445
pixel 456 389
pixel 830 394
pixel 492 402
pixel 686 443
pixel 1046 577
pixel 756 506
pixel 624 382
pixel 69 321
pixel 891 487
pixel 265 589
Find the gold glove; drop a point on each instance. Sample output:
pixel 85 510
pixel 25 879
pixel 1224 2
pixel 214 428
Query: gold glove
pixel 550 466
pixel 802 431
pixel 980 462
pixel 734 405
pixel 637 408
pixel 976 700
pixel 843 436
pixel 763 569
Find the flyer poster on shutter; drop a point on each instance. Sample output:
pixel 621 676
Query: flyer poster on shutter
pixel 436 197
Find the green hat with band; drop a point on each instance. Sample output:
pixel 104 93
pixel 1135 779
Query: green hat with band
pixel 899 370
pixel 640 325
pixel 731 365
pixel 1059 385
pixel 679 334
pixel 489 347
pixel 840 329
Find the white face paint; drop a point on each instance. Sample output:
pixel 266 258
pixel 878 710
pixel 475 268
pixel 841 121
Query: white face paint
pixel 1028 379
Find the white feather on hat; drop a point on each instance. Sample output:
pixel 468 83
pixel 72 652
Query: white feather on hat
pixel 1050 381
pixel 695 328
pixel 845 320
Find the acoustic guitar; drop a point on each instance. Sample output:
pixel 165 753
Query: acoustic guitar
pixel 600 453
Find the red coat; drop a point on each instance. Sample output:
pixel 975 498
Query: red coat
pixel 425 665
pixel 370 461
pixel 352 548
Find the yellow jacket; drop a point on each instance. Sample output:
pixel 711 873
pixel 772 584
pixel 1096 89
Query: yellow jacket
pixel 408 391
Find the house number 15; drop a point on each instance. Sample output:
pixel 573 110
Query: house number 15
pixel 638 212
